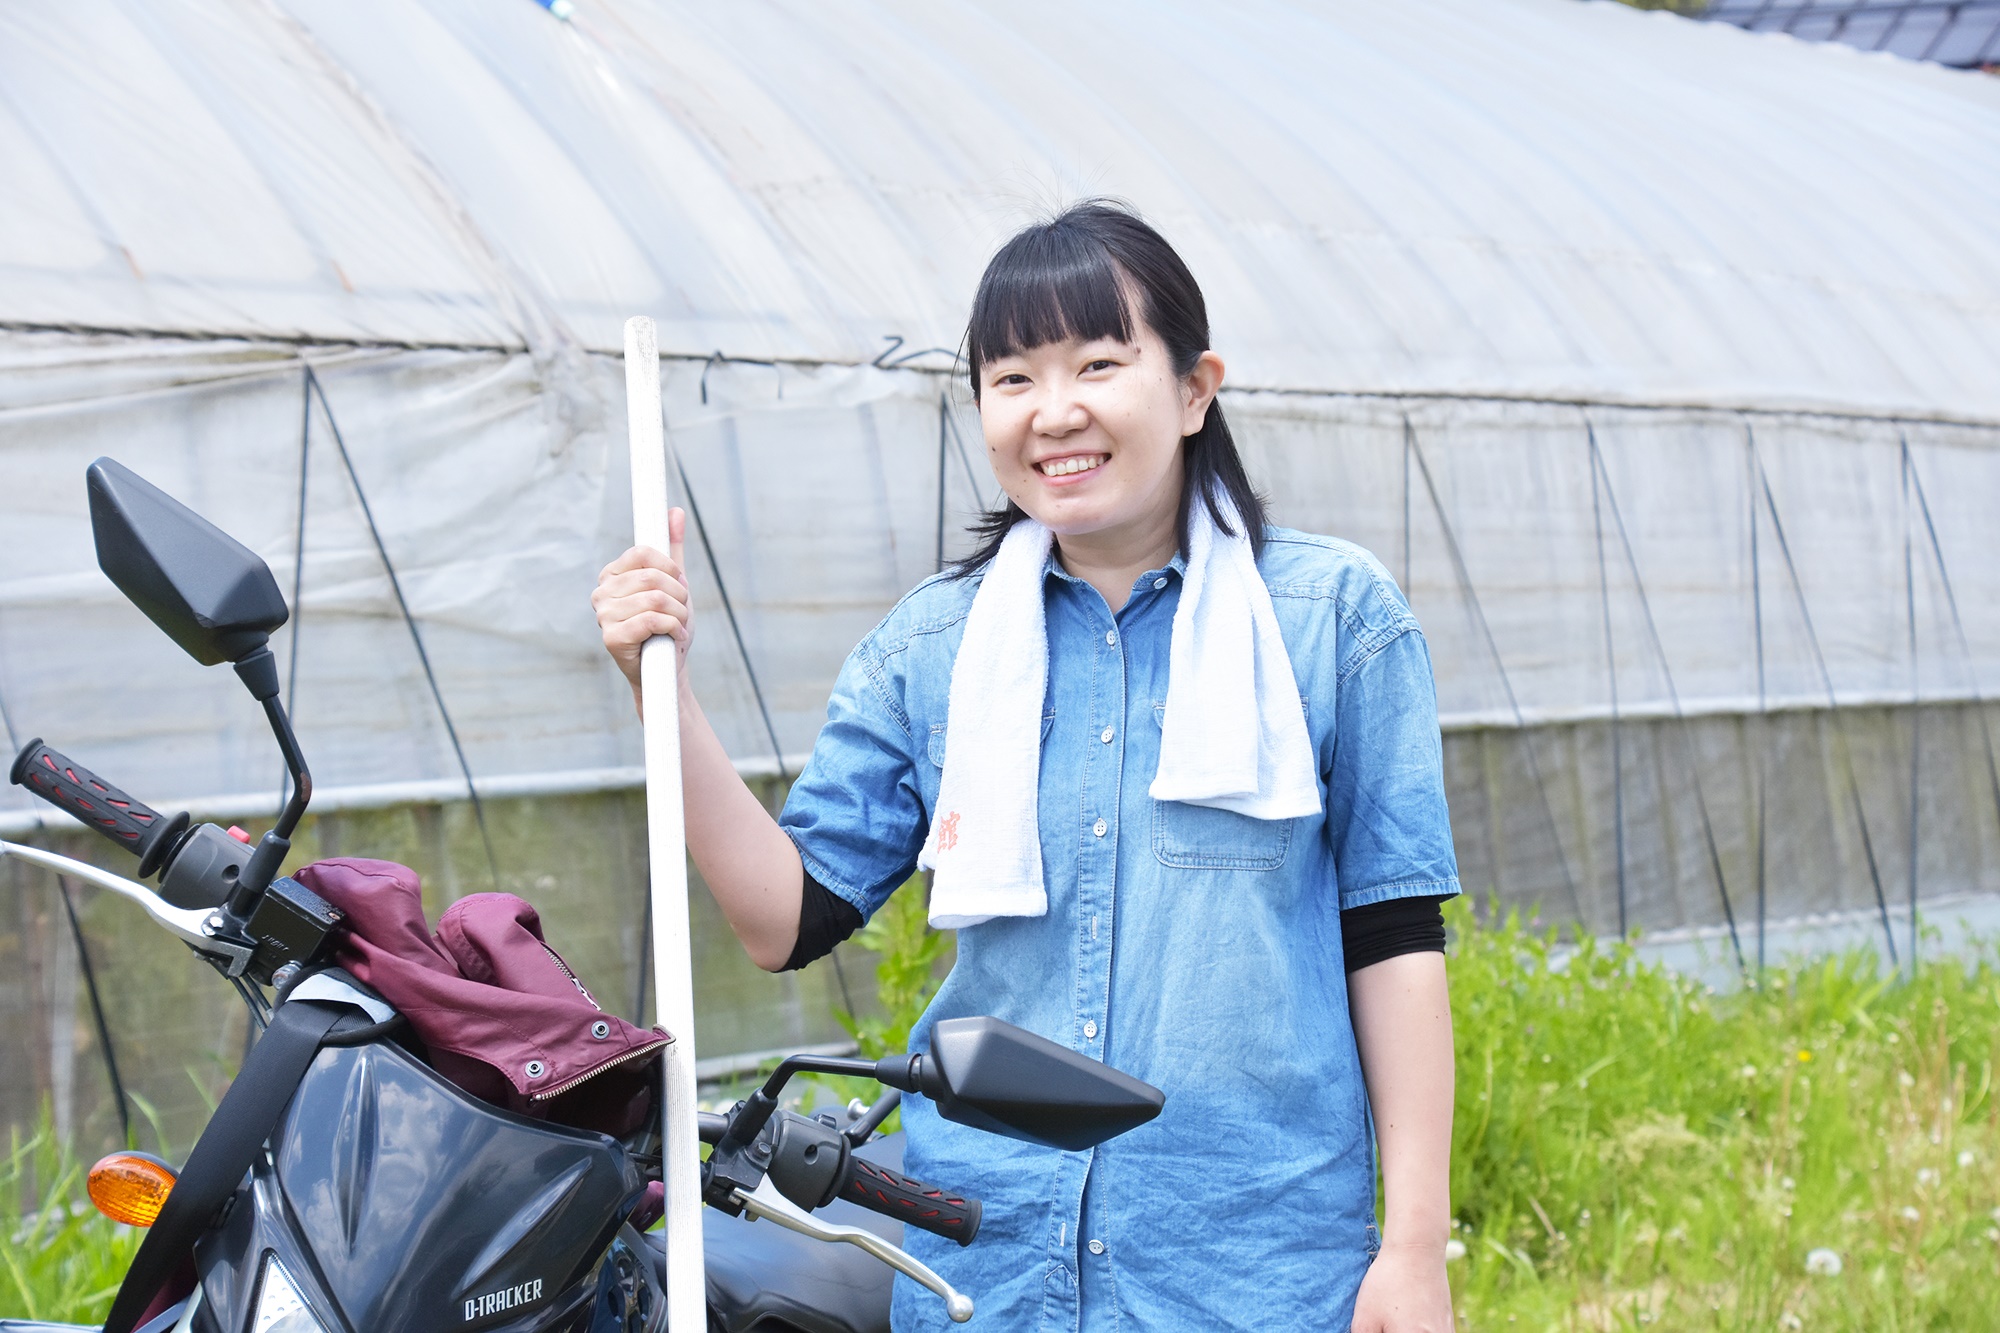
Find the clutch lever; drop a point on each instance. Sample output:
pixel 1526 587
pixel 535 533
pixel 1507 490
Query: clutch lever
pixel 767 1204
pixel 192 927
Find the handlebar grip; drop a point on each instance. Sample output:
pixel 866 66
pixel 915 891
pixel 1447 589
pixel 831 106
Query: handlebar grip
pixel 910 1202
pixel 71 787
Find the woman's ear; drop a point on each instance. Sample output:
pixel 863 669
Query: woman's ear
pixel 1198 390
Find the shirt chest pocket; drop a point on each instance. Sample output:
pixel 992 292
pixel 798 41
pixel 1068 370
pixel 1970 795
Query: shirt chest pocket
pixel 1198 837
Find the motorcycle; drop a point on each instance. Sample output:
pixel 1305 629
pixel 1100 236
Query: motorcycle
pixel 344 1184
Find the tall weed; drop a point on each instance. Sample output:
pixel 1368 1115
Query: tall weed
pixel 60 1259
pixel 1631 1150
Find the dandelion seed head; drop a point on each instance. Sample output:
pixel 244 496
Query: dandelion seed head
pixel 1910 1214
pixel 1454 1250
pixel 1787 1183
pixel 1822 1262
pixel 1927 1177
pixel 1903 1077
pixel 1967 1158
pixel 1749 1071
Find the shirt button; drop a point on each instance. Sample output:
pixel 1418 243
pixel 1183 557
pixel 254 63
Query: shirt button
pixel 1111 637
pixel 1099 828
pixel 1090 1028
pixel 1158 584
pixel 1097 1247
pixel 1106 736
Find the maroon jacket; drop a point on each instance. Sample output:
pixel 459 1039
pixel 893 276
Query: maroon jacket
pixel 503 1016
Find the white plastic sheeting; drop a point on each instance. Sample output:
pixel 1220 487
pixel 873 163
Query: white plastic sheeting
pixel 1438 240
pixel 1511 197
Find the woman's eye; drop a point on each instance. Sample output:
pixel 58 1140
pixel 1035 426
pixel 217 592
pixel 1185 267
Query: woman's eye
pixel 1011 377
pixel 1102 363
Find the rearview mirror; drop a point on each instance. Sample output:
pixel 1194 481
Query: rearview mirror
pixel 996 1077
pixel 209 592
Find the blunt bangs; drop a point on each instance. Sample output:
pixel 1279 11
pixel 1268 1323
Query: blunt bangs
pixel 1048 285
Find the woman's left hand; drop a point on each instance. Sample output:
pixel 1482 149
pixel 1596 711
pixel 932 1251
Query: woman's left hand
pixel 1404 1292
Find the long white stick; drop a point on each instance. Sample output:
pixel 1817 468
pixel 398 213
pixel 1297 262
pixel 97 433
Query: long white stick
pixel 673 951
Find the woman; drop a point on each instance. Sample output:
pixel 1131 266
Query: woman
pixel 1270 957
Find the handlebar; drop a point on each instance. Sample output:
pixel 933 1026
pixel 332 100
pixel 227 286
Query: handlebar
pixel 96 804
pixel 910 1201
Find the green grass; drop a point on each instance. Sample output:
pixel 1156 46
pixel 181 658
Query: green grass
pixel 60 1259
pixel 1630 1151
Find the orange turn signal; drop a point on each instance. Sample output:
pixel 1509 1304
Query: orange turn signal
pixel 131 1187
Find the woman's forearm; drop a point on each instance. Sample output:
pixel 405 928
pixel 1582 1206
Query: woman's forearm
pixel 749 864
pixel 1402 1025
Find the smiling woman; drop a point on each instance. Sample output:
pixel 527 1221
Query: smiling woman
pixel 1111 733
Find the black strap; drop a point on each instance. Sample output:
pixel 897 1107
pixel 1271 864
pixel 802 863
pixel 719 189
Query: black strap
pixel 227 1148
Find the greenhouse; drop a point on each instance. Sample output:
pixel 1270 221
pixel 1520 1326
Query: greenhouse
pixel 1655 359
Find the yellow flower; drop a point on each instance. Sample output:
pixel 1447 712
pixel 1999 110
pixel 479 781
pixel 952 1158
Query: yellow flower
pixel 1804 1055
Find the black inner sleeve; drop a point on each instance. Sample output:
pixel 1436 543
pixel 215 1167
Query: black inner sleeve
pixel 1368 935
pixel 1381 931
pixel 825 919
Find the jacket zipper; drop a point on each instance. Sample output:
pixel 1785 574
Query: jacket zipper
pixel 589 1074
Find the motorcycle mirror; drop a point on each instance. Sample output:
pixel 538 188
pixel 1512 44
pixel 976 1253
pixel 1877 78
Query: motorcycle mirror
pixel 209 592
pixel 996 1077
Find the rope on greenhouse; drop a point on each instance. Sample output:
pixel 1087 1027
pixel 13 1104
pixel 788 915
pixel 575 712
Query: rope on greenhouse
pixel 965 458
pixel 298 570
pixel 1611 674
pixel 409 620
pixel 1763 717
pixel 1958 627
pixel 729 613
pixel 83 960
pixel 97 1011
pixel 756 690
pixel 1414 450
pixel 1832 702
pixel 944 412
pixel 1916 691
pixel 1915 482
pixel 1673 692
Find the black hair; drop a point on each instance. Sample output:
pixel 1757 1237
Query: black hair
pixel 1075 276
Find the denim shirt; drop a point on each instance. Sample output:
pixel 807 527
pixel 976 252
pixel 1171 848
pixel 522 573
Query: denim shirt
pixel 1194 948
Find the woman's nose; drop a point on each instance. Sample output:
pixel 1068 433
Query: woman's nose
pixel 1059 411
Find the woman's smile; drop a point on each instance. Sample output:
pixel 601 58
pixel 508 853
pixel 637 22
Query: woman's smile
pixel 1070 465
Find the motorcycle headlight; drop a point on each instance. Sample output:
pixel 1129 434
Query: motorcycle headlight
pixel 280 1308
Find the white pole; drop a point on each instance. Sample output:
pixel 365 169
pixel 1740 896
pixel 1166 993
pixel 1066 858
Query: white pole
pixel 666 833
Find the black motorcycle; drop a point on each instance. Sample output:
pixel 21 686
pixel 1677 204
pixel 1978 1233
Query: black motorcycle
pixel 343 1186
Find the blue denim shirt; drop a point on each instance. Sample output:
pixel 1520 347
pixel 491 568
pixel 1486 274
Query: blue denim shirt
pixel 1194 948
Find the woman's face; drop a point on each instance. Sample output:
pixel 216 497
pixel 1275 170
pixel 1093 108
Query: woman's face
pixel 1086 435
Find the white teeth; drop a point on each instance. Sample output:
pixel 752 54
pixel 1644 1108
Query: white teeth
pixel 1063 467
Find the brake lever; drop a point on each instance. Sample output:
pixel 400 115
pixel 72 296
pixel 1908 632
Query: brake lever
pixel 191 927
pixel 767 1204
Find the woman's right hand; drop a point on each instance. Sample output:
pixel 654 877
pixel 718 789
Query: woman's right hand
pixel 642 594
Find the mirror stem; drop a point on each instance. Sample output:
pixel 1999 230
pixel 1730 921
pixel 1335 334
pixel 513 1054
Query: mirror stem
pixel 259 672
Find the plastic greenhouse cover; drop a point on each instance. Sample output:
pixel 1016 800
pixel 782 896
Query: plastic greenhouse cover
pixel 1528 198
pixel 497 484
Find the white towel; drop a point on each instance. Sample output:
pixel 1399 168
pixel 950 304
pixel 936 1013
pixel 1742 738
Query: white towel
pixel 1234 735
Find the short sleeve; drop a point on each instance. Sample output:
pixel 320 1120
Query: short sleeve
pixel 856 813
pixel 1387 823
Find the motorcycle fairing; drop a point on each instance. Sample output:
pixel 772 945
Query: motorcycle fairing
pixel 415 1203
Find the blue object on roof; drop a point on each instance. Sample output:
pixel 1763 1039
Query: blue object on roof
pixel 1961 33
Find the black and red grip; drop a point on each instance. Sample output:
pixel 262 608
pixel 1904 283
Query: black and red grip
pixel 910 1202
pixel 70 787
